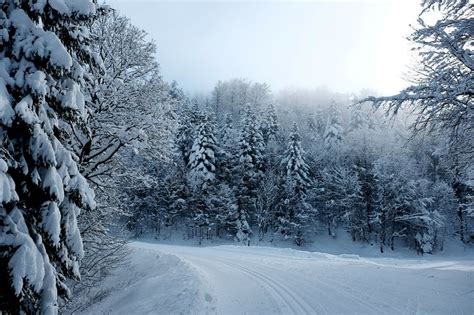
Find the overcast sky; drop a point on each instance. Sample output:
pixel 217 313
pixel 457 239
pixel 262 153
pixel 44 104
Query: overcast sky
pixel 343 45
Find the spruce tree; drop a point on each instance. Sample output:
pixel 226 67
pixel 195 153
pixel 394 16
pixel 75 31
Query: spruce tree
pixel 202 178
pixel 43 52
pixel 202 158
pixel 295 212
pixel 251 166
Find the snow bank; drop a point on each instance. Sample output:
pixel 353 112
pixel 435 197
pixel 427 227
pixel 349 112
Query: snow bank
pixel 150 283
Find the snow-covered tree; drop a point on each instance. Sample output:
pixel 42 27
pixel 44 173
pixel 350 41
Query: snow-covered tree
pixel 315 124
pixel 404 206
pixel 43 55
pixel 230 97
pixel 441 95
pixel 131 117
pixel 202 158
pixel 228 150
pixel 359 118
pixel 295 168
pixel 250 168
pixel 228 134
pixel 334 129
pixel 268 198
pixel 190 116
pixel 295 211
pixel 364 167
pixel 270 125
pixel 442 91
pixel 338 199
pixel 115 94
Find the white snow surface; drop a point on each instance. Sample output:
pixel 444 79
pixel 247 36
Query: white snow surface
pixel 229 279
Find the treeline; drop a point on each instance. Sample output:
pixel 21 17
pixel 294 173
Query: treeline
pixel 311 164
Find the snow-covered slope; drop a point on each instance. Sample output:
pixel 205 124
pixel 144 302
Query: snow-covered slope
pixel 263 280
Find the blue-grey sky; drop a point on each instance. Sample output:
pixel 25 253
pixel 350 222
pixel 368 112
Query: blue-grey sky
pixel 343 45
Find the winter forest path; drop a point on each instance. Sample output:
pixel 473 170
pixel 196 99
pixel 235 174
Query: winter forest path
pixel 262 280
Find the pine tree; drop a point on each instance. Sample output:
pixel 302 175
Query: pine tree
pixel 295 211
pixel 251 166
pixel 43 51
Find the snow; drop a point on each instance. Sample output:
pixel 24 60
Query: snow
pixel 74 99
pixel 24 111
pixel 34 42
pixel 152 282
pixel 229 279
pixel 51 221
pixel 7 186
pixel 37 82
pixel 6 111
pixel 26 263
pixel 53 183
pixel 41 148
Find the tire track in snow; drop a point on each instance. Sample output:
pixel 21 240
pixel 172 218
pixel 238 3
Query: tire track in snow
pixel 291 300
pixel 338 288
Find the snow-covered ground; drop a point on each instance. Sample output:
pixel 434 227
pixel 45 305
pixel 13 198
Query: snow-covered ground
pixel 174 279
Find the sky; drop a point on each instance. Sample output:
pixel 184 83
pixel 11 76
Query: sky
pixel 343 45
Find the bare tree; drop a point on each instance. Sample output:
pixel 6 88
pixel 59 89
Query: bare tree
pixel 443 83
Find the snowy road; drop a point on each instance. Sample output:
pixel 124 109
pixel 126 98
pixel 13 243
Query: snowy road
pixel 261 280
pixel 171 279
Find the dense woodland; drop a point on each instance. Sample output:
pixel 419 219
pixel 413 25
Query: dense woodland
pixel 96 148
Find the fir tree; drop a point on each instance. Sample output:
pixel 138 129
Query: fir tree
pixel 43 52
